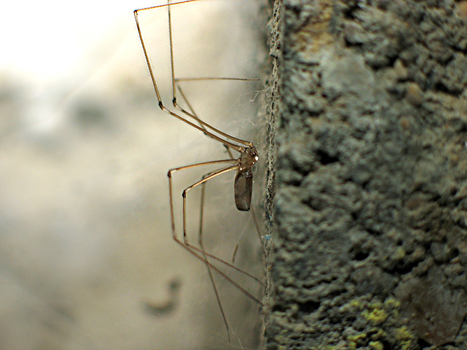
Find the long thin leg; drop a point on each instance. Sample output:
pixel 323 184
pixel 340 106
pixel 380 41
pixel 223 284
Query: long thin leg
pixel 211 132
pixel 185 241
pixel 203 257
pixel 191 113
pixel 202 182
pixel 194 115
pixel 216 78
pixel 156 89
pixel 184 194
pixel 201 215
pixel 244 142
pixel 208 267
pixel 201 218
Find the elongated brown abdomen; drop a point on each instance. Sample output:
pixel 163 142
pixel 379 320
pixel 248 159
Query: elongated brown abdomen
pixel 243 186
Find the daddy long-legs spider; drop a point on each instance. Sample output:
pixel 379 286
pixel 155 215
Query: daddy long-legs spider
pixel 177 104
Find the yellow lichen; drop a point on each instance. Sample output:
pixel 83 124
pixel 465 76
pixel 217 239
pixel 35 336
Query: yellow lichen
pixel 375 304
pixel 355 303
pixel 403 333
pixel 392 303
pixel 376 345
pixel 376 316
pixel 377 333
pixel 405 336
pixel 355 340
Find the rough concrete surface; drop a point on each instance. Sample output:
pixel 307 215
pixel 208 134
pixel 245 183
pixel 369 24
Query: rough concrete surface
pixel 371 185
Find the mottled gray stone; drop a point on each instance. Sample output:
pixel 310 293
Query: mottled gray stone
pixel 371 183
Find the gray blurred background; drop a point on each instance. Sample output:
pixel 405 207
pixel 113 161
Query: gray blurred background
pixel 87 260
